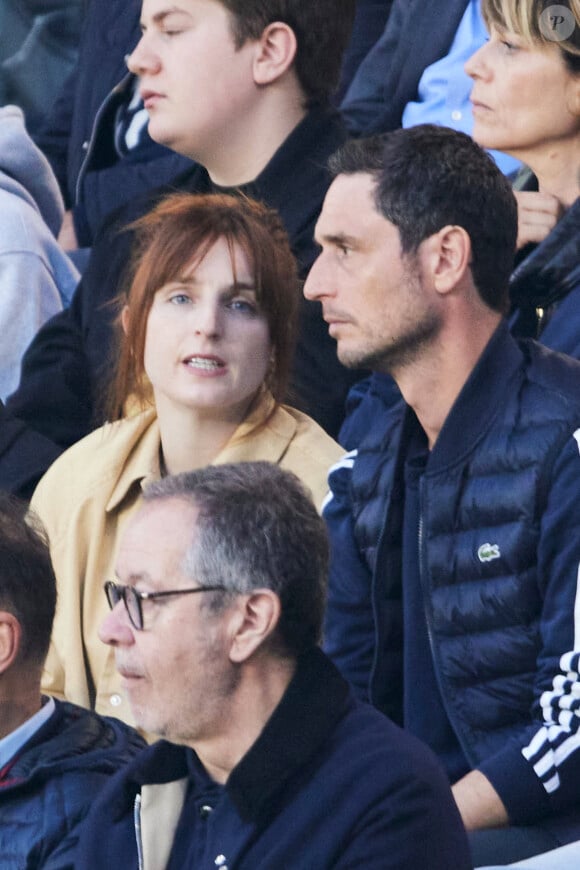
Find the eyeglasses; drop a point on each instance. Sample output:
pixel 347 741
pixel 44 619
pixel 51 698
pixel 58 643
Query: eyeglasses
pixel 133 599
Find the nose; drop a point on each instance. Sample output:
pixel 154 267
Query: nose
pixel 208 319
pixel 143 59
pixel 115 629
pixel 476 66
pixel 317 283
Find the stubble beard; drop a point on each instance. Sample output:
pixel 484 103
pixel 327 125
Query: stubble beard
pixel 391 356
pixel 196 717
pixel 418 327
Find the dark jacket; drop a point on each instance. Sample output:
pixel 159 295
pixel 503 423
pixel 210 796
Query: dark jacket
pixel 369 22
pixel 38 48
pixel 545 288
pixel 78 134
pixel 47 790
pixel 498 550
pixel 63 369
pixel 417 33
pixel 329 783
pixel 24 455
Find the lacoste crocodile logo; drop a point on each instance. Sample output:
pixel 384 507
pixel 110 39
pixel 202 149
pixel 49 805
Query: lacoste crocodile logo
pixel 488 552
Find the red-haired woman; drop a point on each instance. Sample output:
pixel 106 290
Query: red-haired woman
pixel 209 325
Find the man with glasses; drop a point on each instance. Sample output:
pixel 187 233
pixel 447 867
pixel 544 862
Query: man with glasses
pixel 215 618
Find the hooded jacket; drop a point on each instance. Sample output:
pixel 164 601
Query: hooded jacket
pixel 36 277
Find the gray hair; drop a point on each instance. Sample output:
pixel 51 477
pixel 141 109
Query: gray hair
pixel 257 527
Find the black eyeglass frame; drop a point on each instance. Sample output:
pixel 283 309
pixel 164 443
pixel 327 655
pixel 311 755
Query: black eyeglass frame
pixel 116 592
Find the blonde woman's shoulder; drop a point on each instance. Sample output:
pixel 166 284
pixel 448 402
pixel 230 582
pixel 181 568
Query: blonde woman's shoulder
pixel 311 452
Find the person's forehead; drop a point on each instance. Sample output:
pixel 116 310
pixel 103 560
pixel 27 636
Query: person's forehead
pixel 152 10
pixel 156 539
pixel 350 207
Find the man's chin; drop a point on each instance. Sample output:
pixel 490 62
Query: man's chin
pixel 351 358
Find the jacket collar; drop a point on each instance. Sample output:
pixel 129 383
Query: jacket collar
pixel 315 701
pixel 480 401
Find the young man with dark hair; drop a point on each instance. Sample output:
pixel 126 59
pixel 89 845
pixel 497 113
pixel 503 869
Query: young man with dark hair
pixel 216 614
pixel 241 88
pixel 454 523
pixel 54 757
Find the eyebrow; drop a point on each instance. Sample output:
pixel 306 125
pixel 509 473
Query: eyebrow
pixel 159 17
pixel 235 287
pixel 133 578
pixel 339 239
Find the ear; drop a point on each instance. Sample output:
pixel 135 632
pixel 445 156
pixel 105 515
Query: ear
pixel 10 637
pixel 275 53
pixel 125 319
pixel 253 623
pixel 449 258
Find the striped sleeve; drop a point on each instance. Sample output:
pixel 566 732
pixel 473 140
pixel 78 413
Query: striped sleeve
pixel 538 774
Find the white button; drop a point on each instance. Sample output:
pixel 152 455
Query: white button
pixel 85 145
pixel 116 700
pixel 220 861
pixel 456 115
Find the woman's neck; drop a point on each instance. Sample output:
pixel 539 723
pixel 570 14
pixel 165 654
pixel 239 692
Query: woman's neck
pixel 558 173
pixel 191 438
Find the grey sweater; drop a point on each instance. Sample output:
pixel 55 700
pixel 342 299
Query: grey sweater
pixel 36 277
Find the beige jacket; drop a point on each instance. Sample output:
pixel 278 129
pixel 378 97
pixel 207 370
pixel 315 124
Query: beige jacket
pixel 85 500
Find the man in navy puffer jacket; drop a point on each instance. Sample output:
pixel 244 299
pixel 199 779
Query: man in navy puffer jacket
pixel 54 757
pixel 455 521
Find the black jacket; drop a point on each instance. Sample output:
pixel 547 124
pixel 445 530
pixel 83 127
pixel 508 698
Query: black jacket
pixel 24 455
pixel 545 288
pixel 63 369
pixel 49 787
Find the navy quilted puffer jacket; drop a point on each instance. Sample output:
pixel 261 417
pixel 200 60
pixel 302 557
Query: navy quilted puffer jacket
pixel 499 556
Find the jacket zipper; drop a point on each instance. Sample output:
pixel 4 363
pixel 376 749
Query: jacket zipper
pixel 425 589
pixel 137 821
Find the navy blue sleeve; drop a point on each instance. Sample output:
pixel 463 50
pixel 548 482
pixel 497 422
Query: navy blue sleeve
pixel 365 97
pixel 537 773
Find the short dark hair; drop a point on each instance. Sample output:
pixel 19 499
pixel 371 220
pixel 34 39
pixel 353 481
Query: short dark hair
pixel 428 177
pixel 322 29
pixel 257 528
pixel 27 581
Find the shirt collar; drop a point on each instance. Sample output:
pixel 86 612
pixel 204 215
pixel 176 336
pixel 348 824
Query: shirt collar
pixel 264 435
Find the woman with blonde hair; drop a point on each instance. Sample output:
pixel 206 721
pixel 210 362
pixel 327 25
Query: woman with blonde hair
pixel 209 324
pixel 526 102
